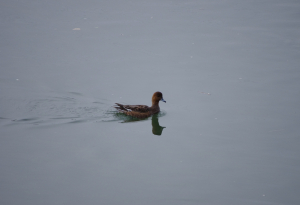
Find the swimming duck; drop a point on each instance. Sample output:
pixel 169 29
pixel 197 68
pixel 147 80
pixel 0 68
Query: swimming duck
pixel 142 111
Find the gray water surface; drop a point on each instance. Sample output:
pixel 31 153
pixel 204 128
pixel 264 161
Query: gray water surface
pixel 228 134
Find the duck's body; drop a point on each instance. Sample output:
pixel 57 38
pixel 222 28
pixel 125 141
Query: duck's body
pixel 142 111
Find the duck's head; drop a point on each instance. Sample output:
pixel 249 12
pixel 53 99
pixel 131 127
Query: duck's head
pixel 157 96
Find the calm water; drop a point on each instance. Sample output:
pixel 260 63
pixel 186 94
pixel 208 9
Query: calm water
pixel 228 134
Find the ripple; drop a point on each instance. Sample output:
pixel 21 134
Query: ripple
pixel 25 119
pixel 56 109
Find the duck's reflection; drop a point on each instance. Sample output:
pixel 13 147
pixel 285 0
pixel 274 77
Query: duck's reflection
pixel 156 128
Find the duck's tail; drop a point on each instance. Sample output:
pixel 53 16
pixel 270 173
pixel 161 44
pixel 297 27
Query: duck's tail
pixel 120 107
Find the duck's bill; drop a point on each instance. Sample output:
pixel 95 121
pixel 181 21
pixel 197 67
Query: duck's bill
pixel 163 100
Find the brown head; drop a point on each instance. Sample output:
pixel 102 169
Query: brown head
pixel 157 96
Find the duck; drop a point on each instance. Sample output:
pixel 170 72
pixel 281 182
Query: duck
pixel 142 111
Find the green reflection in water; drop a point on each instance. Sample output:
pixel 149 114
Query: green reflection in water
pixel 156 128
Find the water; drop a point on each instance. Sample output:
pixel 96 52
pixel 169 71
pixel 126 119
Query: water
pixel 228 134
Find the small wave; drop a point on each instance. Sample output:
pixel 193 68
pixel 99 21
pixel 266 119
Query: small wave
pixel 57 109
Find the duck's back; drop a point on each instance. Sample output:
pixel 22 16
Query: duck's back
pixel 135 108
